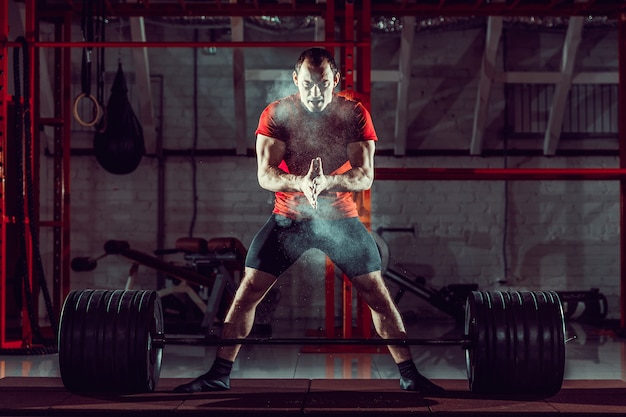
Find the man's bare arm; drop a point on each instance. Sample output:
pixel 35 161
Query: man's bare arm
pixel 270 153
pixel 360 177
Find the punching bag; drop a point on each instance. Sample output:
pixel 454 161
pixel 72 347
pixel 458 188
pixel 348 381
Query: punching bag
pixel 119 147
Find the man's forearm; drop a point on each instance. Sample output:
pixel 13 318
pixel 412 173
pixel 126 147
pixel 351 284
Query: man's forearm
pixel 356 179
pixel 276 180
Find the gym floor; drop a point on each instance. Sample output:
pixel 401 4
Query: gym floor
pixel 269 379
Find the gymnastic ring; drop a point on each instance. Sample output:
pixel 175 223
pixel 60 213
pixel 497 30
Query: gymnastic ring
pixel 96 105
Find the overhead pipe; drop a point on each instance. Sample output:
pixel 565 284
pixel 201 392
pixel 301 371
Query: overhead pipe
pixel 502 174
pixel 196 44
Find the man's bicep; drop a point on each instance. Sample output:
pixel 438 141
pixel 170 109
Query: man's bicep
pixel 361 154
pixel 270 151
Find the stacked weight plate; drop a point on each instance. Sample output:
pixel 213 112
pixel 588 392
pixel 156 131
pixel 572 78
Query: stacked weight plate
pixel 517 342
pixel 112 341
pixel 105 340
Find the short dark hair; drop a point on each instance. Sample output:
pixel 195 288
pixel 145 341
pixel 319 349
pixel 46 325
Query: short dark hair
pixel 316 56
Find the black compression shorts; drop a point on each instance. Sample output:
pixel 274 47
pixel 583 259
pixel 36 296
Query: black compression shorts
pixel 281 241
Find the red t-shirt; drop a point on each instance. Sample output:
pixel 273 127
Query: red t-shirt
pixel 308 135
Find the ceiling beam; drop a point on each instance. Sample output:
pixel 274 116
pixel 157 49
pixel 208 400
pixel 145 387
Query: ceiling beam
pixel 404 71
pixel 239 86
pixel 562 88
pixel 553 77
pixel 487 74
pixel 142 78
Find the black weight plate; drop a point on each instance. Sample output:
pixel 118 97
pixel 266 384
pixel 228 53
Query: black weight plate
pixel 105 341
pixel 498 362
pixel 545 342
pixel 67 324
pixel 472 350
pixel 80 341
pixel 146 322
pixel 157 329
pixel 486 370
pixel 532 347
pixel 554 348
pixel 109 361
pixel 518 334
pixel 91 329
pixel 80 355
pixel 137 349
pixel 138 343
pixel 499 375
pixel 124 342
pixel 140 340
pixel 155 353
pixel 476 328
pixel 559 347
pixel 525 318
pixel 517 342
pixel 551 376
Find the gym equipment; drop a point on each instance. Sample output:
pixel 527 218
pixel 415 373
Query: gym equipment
pixel 106 340
pixel 585 306
pixel 450 299
pixel 119 148
pixel 112 340
pixel 91 23
pixel 214 264
pixel 518 337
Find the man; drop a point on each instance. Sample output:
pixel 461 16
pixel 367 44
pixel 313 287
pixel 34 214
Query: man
pixel 314 149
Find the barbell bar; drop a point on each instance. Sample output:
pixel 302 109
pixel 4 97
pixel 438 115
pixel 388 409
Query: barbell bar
pixel 161 340
pixel 113 341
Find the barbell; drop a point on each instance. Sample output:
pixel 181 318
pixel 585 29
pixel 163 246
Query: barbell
pixel 113 341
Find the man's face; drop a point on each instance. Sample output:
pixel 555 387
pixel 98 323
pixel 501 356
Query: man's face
pixel 315 85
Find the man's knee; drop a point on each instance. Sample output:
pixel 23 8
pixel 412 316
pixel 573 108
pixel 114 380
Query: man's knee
pixel 369 281
pixel 254 285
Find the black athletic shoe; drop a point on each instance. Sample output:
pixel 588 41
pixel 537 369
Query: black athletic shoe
pixel 205 383
pixel 420 384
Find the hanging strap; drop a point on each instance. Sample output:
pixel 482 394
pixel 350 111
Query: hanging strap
pixel 100 67
pixel 85 72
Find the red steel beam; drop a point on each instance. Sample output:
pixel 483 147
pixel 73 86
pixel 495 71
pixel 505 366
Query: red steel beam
pixel 500 174
pixel 347 82
pixel 519 8
pixel 31 29
pixel 63 197
pixel 193 44
pixel 380 8
pixel 4 131
pixel 622 160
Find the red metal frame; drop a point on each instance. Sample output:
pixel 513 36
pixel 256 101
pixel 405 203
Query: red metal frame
pixel 347 83
pixel 30 26
pixel 346 10
pixel 622 161
pixel 378 8
pixel 4 102
pixel 198 44
pixel 61 270
pixel 26 337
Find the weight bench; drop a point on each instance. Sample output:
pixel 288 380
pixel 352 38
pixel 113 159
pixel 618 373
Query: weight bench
pixel 221 258
pixel 217 265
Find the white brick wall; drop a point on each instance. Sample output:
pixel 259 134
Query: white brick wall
pixel 561 234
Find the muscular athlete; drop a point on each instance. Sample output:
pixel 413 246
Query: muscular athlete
pixel 314 149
